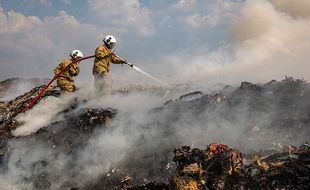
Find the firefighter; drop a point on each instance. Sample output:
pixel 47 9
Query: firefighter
pixel 65 81
pixel 103 58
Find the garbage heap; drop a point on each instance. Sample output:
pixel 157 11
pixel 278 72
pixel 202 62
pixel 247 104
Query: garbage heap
pixel 220 167
pixel 151 162
pixel 9 110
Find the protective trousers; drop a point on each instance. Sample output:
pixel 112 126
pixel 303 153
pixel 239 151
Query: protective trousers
pixel 65 85
pixel 103 83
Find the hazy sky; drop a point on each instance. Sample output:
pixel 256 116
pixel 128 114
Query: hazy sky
pixel 177 40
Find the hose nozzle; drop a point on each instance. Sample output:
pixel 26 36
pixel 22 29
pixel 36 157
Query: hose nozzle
pixel 130 64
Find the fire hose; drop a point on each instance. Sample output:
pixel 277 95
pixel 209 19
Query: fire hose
pixel 50 82
pixel 65 68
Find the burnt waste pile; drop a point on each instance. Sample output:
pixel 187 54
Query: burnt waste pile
pixel 254 136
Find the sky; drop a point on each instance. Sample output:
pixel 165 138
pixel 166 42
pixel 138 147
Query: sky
pixel 179 41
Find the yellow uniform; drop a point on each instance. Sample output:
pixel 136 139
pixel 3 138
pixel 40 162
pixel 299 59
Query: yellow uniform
pixel 104 57
pixel 65 80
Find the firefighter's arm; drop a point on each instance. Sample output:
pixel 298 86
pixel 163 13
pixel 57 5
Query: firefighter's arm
pixel 100 52
pixel 58 68
pixel 117 60
pixel 74 69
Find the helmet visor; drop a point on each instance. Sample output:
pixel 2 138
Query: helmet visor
pixel 111 45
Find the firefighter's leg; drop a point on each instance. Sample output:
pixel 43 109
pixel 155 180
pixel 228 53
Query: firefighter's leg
pixel 69 89
pixel 103 84
pixel 65 85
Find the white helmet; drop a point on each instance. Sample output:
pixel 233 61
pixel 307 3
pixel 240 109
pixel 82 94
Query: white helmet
pixel 110 41
pixel 75 54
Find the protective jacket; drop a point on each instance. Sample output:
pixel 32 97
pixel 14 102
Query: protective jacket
pixel 104 57
pixel 65 80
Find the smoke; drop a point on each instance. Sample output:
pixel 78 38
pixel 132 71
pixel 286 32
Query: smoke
pixel 270 44
pixel 48 110
pixel 140 138
pixel 51 108
pixel 41 162
pixel 104 152
pixel 17 87
pixel 268 40
pixel 28 161
pixel 295 8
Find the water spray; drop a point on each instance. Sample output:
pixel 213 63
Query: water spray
pixel 148 75
pixel 141 71
pixel 151 77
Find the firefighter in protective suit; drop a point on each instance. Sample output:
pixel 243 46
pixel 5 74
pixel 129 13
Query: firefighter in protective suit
pixel 103 58
pixel 65 81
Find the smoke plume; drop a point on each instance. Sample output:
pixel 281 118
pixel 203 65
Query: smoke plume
pixel 269 39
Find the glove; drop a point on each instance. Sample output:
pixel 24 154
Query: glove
pixel 130 64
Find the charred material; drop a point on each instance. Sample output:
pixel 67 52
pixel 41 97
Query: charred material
pixel 10 82
pixel 149 162
pixel 280 171
pixel 225 170
pixel 63 137
pixel 11 109
pixel 91 118
pixel 73 132
pixel 212 168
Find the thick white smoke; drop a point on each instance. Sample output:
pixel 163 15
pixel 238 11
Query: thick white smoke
pixel 18 87
pixel 48 111
pixel 269 40
pixel 295 8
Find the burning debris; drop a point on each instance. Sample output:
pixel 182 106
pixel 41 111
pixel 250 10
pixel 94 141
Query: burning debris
pixel 212 168
pixel 220 167
pixel 146 159
pixel 11 109
pixel 225 169
pixel 6 85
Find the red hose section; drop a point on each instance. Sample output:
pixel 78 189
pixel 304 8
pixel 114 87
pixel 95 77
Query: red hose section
pixel 49 83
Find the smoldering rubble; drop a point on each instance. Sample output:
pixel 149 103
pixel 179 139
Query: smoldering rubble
pixel 249 137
